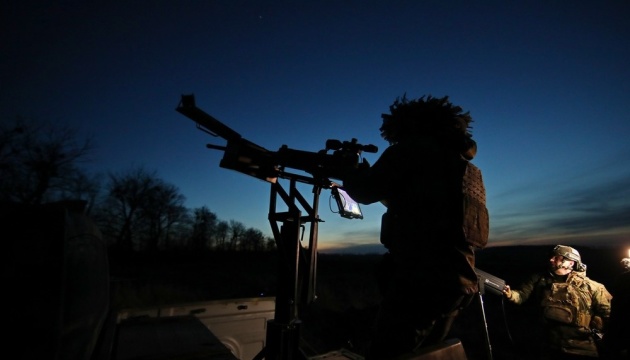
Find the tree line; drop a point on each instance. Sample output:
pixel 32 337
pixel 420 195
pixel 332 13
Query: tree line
pixel 135 209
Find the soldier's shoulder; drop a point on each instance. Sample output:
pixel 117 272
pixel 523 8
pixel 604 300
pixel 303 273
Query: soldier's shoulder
pixel 595 285
pixel 593 282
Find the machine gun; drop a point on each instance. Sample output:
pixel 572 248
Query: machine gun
pixel 244 156
pixel 297 266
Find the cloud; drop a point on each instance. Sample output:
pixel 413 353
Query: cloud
pixel 363 238
pixel 589 206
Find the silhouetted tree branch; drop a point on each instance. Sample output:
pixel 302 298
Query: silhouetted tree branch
pixel 39 163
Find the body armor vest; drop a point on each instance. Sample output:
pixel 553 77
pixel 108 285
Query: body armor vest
pixel 569 302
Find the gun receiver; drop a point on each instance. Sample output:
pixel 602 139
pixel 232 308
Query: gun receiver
pixel 244 156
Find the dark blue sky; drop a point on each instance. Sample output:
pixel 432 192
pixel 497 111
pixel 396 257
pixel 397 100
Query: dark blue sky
pixel 547 84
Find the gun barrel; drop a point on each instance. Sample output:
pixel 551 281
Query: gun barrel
pixel 188 108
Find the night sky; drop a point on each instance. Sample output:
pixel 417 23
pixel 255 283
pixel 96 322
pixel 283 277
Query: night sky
pixel 546 82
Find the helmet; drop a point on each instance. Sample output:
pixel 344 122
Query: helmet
pixel 570 253
pixel 567 252
pixel 625 263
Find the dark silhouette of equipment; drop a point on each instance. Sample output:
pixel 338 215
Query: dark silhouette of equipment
pixel 244 156
pixel 297 264
pixel 493 285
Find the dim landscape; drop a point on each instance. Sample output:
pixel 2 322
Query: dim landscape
pixel 347 295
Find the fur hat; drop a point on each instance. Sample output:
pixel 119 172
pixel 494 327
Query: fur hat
pixel 429 116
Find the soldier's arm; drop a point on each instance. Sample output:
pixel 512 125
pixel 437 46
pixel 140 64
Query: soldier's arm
pixel 526 289
pixel 601 303
pixel 371 184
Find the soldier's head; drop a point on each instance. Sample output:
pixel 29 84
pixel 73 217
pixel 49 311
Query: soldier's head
pixel 564 259
pixel 432 117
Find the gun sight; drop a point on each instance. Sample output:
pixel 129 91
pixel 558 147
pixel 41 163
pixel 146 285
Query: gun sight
pixel 352 145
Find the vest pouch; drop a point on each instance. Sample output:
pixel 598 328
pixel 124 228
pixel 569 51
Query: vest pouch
pixel 559 313
pixel 476 220
pixel 583 347
pixel 561 304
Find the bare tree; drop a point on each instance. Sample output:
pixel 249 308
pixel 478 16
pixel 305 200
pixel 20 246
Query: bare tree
pixel 39 163
pixel 270 244
pixel 237 229
pixel 252 240
pixel 180 232
pixel 125 194
pixel 83 187
pixel 223 229
pixel 204 228
pixel 164 207
pixel 140 210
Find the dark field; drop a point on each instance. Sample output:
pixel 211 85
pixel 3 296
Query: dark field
pixel 347 295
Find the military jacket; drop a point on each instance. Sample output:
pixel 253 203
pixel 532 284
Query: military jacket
pixel 571 308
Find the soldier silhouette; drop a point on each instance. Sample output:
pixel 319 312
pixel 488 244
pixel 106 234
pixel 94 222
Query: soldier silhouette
pixel 428 273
